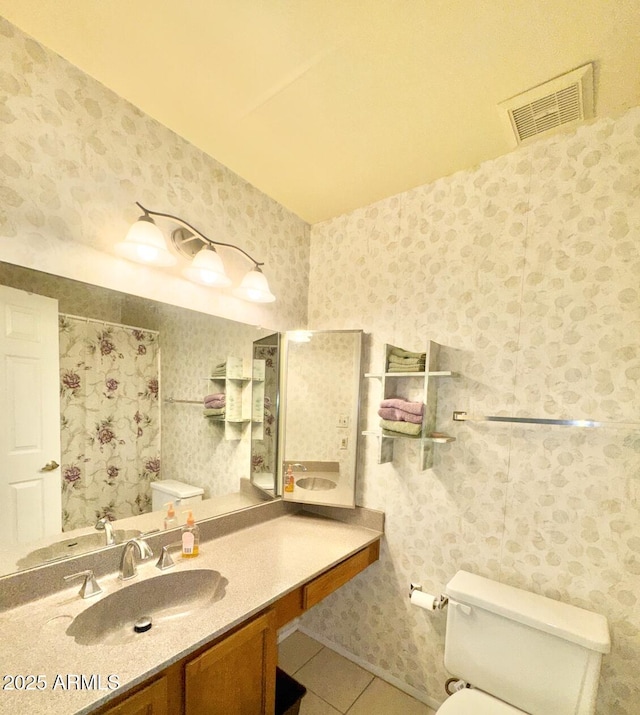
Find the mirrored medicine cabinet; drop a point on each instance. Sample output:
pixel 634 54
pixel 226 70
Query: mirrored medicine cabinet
pixel 320 402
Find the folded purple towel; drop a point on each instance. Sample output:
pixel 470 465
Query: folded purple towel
pixel 214 404
pixel 214 396
pixel 396 415
pixel 214 401
pixel 415 408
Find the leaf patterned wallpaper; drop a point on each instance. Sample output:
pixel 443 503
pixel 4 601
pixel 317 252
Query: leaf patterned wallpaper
pixel 528 270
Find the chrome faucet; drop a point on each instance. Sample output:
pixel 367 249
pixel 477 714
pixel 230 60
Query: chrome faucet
pixel 105 525
pixel 299 465
pixel 128 564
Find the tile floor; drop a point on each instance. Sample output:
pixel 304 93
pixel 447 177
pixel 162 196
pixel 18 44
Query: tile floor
pixel 336 686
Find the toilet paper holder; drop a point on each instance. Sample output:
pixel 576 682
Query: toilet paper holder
pixel 435 603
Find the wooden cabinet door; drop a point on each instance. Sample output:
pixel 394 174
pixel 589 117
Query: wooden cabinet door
pixel 151 700
pixel 237 675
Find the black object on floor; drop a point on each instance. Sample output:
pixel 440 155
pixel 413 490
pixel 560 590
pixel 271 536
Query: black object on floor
pixel 289 693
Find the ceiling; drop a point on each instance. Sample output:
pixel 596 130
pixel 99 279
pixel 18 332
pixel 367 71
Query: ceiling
pixel 328 105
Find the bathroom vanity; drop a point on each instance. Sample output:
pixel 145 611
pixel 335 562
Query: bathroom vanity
pixel 216 656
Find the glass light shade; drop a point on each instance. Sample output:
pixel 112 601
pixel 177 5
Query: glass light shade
pixel 144 243
pixel 206 268
pixel 254 288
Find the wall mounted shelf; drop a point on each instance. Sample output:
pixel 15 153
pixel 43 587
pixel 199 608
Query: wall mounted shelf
pixel 244 389
pixel 437 439
pixel 390 387
pixel 387 375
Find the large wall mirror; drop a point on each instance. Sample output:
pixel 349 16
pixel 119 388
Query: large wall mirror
pixel 321 383
pixel 133 377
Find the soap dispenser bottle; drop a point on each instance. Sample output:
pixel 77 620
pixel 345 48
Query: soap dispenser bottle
pixel 190 538
pixel 288 480
pixel 170 520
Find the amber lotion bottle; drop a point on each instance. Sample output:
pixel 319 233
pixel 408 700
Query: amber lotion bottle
pixel 190 538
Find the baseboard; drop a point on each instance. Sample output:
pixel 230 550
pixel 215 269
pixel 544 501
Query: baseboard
pixel 378 672
pixel 287 630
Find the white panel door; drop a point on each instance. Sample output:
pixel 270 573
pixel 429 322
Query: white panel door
pixel 30 488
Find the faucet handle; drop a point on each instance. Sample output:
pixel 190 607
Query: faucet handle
pixel 165 561
pixel 90 587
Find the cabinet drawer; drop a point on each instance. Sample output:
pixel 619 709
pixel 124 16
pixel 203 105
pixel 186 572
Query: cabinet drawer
pixel 328 582
pixel 151 700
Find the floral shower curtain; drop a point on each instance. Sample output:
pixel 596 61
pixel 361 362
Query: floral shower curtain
pixel 110 420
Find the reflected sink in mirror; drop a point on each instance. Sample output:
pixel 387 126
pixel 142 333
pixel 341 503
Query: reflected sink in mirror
pixel 316 483
pixel 74 547
pixel 164 598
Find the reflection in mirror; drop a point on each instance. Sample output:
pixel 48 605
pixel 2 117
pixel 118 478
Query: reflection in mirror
pixel 320 408
pixel 114 443
pixel 109 419
pixel 264 435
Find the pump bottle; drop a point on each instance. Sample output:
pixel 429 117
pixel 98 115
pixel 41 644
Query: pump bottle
pixel 289 483
pixel 170 520
pixel 190 538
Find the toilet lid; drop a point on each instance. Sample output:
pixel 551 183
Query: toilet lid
pixel 470 700
pixel 177 489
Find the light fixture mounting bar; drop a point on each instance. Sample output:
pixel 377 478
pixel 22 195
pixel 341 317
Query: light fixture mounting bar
pixel 189 227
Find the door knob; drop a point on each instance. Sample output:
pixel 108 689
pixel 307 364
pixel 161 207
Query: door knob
pixel 50 466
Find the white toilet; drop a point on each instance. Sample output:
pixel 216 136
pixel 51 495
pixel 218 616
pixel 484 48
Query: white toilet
pixel 520 652
pixel 170 490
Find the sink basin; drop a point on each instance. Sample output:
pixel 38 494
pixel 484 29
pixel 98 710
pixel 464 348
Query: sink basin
pixel 316 483
pixel 74 547
pixel 164 598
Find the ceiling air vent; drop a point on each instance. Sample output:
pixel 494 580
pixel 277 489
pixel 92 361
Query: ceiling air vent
pixel 559 103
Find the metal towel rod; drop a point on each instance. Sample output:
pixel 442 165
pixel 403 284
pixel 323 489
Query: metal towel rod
pixel 172 400
pixel 460 416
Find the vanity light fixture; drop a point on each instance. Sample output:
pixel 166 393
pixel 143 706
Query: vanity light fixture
pixel 145 243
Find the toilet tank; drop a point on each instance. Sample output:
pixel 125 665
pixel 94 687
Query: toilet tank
pixel 170 490
pixel 540 655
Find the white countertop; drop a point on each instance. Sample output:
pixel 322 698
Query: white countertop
pixel 262 563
